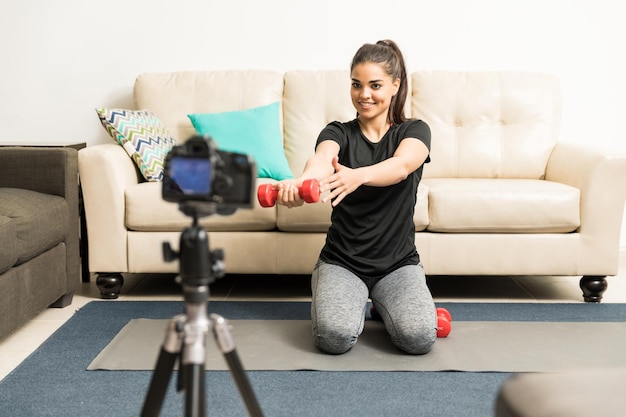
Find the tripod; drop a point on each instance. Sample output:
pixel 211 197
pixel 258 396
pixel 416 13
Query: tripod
pixel 185 339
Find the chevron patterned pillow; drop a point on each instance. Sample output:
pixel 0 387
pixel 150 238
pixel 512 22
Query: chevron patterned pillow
pixel 143 136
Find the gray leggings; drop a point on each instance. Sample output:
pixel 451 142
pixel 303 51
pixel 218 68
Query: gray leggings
pixel 402 299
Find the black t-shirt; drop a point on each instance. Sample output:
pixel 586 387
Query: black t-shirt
pixel 372 232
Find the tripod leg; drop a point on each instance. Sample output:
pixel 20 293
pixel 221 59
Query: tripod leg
pixel 164 368
pixel 194 350
pixel 226 343
pixel 195 402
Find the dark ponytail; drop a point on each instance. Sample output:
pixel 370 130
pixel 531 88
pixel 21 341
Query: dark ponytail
pixel 388 55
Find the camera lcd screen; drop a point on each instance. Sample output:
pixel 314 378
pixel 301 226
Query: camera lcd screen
pixel 192 175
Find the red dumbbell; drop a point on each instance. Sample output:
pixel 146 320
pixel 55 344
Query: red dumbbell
pixel 444 322
pixel 309 191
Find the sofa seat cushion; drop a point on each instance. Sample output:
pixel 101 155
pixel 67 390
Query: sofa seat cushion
pixel 466 205
pixel 315 218
pixel 30 224
pixel 146 211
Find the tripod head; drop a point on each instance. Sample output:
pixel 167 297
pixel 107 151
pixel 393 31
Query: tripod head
pixel 199 266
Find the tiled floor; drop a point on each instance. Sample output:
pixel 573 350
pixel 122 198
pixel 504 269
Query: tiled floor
pixel 22 343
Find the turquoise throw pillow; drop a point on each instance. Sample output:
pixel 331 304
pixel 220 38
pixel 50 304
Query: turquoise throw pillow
pixel 255 132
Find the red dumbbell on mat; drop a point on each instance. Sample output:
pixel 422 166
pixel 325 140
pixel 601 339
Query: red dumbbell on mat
pixel 309 191
pixel 444 322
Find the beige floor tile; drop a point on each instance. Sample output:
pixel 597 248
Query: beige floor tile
pixel 10 360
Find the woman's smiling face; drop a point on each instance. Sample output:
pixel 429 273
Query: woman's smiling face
pixel 372 90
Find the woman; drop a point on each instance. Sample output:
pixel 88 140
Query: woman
pixel 372 166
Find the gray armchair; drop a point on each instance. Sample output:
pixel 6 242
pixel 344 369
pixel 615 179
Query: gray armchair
pixel 39 232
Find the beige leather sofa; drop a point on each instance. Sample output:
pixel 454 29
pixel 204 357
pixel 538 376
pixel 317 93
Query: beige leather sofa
pixel 502 196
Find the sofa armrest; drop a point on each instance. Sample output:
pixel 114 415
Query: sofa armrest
pixel 105 173
pixel 600 178
pixel 48 170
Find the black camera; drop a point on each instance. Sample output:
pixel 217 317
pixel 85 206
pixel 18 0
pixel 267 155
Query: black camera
pixel 198 171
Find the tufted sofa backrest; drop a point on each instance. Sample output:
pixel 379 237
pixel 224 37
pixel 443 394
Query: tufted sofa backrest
pixel 312 100
pixel 174 95
pixel 484 124
pixel 488 124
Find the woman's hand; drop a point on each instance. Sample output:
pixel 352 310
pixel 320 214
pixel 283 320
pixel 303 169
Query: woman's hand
pixel 409 156
pixel 288 194
pixel 344 181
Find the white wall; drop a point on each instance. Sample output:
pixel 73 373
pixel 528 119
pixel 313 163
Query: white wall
pixel 60 59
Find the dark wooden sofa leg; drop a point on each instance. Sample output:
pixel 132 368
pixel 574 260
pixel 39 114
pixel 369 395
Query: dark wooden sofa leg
pixel 593 288
pixel 110 284
pixel 64 301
